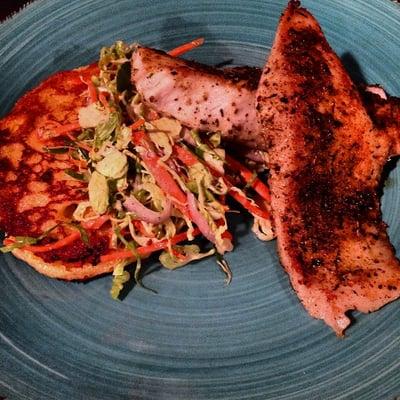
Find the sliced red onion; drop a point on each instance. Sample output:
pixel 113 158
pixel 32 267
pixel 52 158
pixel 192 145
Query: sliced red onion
pixel 377 90
pixel 199 219
pixel 145 214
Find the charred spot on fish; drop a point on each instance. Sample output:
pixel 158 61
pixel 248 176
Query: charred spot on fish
pixel 359 205
pixel 308 138
pixel 305 57
pixel 247 77
pixel 303 39
pixel 315 194
pixel 323 126
pixel 151 99
pixel 317 262
pixel 173 72
pixel 284 100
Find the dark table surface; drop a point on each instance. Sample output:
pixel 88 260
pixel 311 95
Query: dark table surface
pixel 9 7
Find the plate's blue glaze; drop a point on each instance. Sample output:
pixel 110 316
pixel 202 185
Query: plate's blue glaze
pixel 196 339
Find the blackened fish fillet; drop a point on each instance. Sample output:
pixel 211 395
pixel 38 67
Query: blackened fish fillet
pixel 207 98
pixel 326 159
pixel 199 96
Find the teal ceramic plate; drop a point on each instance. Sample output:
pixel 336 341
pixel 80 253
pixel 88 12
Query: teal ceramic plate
pixel 197 339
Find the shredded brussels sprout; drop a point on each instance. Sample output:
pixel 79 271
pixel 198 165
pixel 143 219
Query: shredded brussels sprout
pixel 120 277
pixel 179 256
pixel 116 168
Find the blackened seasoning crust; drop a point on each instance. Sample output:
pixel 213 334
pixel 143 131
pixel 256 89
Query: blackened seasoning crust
pixel 200 96
pixel 303 51
pixel 326 158
pixel 385 113
pixel 213 99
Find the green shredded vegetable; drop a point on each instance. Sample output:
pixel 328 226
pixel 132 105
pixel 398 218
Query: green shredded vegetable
pixel 56 150
pixel 120 277
pixel 82 231
pixel 76 175
pixel 98 192
pixel 213 157
pixel 116 170
pixel 83 154
pixel 215 139
pixel 224 267
pixel 130 245
pixel 114 165
pixel 86 134
pixel 188 253
pixel 104 130
pixel 21 241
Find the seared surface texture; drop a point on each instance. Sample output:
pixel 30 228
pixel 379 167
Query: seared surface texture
pixel 196 93
pixel 326 159
pixel 35 192
pixel 34 188
pixel 385 113
pixel 199 96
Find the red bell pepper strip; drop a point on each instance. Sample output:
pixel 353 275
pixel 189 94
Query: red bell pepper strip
pixel 55 245
pixel 249 177
pixel 184 48
pixel 147 250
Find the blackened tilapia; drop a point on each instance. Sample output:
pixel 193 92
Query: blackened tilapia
pixel 326 159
